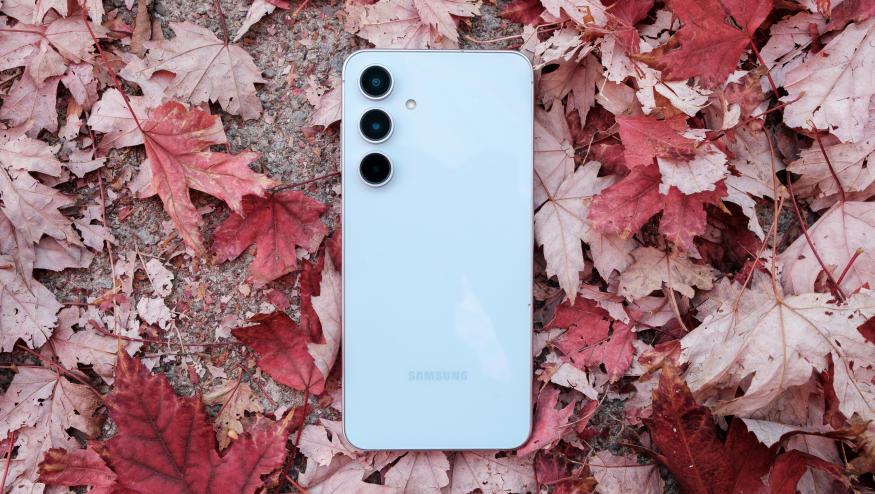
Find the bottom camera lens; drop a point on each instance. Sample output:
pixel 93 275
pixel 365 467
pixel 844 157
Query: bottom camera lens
pixel 376 169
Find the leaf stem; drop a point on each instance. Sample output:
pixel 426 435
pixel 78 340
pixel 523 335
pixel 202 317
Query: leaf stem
pixel 768 70
pixel 257 383
pixel 157 342
pixel 111 72
pixel 828 162
pixel 222 17
pixel 838 290
pixel 305 182
pixel 11 438
pixel 297 485
pixel 848 267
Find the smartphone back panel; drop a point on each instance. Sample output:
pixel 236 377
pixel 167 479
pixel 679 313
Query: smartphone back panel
pixel 437 263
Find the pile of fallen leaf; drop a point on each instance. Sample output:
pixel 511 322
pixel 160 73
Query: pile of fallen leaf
pixel 705 252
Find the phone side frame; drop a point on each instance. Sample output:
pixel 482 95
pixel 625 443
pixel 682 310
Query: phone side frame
pixel 343 177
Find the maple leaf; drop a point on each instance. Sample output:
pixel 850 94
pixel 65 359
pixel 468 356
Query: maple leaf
pixel 752 174
pixel 562 223
pixel 554 154
pixel 29 103
pixel 752 347
pixel 236 398
pixel 33 207
pixel 683 162
pixel 327 108
pixel 624 207
pixel 825 90
pixel 87 347
pixel 583 12
pixel 44 50
pixel 523 11
pixel 575 78
pixel 550 424
pixel 76 467
pixel 485 470
pixel 646 137
pixel 328 306
pixel 257 10
pixel 653 268
pixel 20 152
pixel 849 161
pixel 686 434
pixel 615 474
pixel 207 69
pixel 278 224
pixel 837 235
pixel 420 472
pixel 166 443
pixel 112 117
pixel 27 308
pixel 409 23
pixel 282 345
pixel 40 406
pixel 710 46
pixel 593 338
pixel 177 146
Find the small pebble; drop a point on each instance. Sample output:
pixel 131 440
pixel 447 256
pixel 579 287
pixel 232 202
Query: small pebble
pixel 202 10
pixel 268 74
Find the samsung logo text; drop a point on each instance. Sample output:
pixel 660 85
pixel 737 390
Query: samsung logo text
pixel 438 375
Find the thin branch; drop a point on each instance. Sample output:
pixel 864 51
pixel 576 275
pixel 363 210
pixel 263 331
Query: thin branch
pixel 838 290
pixel 222 17
pixel 111 72
pixel 828 162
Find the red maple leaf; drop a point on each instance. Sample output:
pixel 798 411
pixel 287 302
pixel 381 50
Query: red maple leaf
pixel 276 224
pixel 708 45
pixel 523 11
pixel 166 443
pixel 686 434
pixel 77 467
pixel 627 205
pixel 550 423
pixel 593 337
pixel 645 137
pixel 282 345
pixel 177 145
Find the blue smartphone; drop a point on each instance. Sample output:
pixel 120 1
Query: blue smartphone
pixel 437 249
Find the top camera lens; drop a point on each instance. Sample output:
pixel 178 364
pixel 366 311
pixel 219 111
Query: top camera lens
pixel 376 82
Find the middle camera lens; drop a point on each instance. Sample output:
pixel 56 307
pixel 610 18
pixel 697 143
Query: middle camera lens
pixel 376 125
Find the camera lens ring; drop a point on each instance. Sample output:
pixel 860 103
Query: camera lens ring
pixel 389 121
pixel 380 177
pixel 376 72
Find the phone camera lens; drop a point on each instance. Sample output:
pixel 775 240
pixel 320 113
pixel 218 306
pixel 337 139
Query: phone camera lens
pixel 376 125
pixel 376 82
pixel 375 169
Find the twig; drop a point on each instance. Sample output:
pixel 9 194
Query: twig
pixel 838 290
pixel 305 182
pixel 828 162
pixel 111 72
pixel 98 327
pixel 58 369
pixel 11 438
pixel 257 383
pixel 297 485
pixel 768 70
pixel 848 267
pixel 222 17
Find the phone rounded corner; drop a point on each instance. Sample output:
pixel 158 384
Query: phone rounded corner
pixel 348 59
pixel 345 431
pixel 529 68
pixel 528 435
